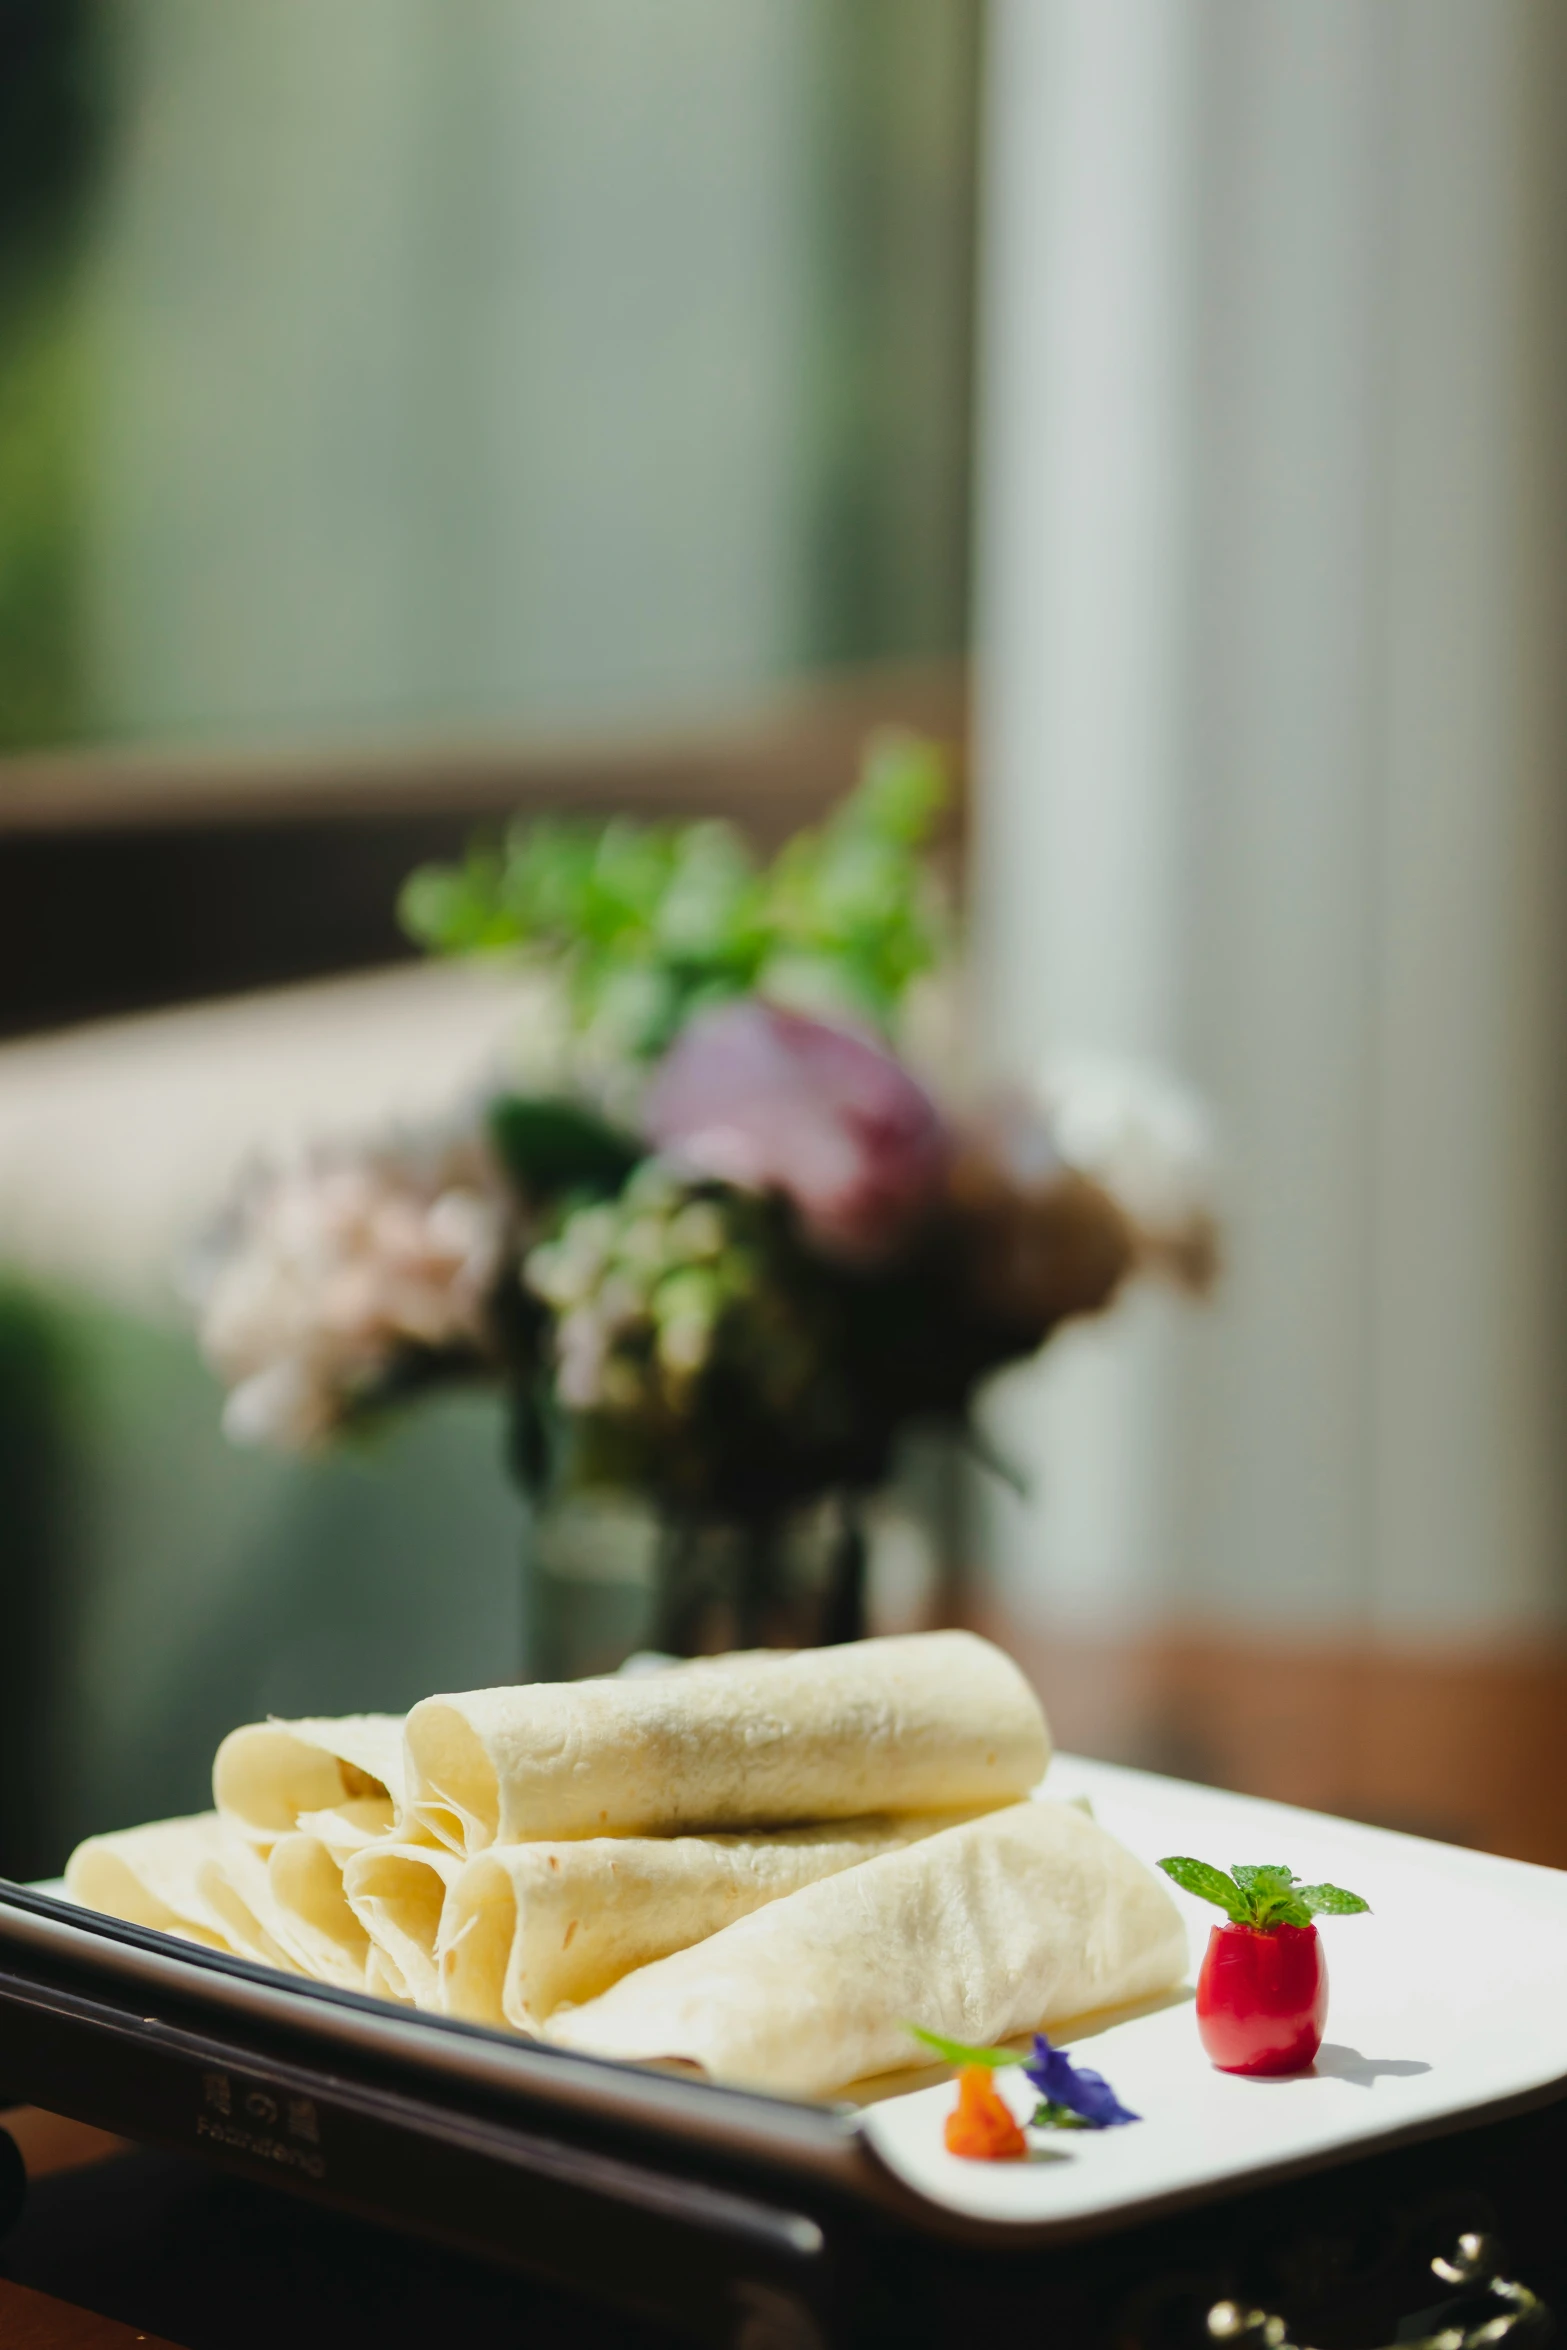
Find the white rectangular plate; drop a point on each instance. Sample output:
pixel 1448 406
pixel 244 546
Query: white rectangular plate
pixel 1449 1999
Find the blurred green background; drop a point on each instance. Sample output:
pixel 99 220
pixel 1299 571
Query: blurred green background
pixel 368 364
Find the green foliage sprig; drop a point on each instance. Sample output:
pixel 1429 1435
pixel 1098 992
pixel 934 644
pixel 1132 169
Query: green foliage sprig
pixel 1262 1896
pixel 651 923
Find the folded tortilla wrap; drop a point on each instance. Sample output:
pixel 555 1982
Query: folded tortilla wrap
pixel 528 1926
pixel 310 1914
pixel 935 1721
pixel 269 1775
pixel 148 1876
pixel 284 1906
pixel 233 1882
pixel 350 1826
pixel 383 1981
pixel 1025 1917
pixel 396 1891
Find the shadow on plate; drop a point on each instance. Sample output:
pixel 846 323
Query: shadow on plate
pixel 1347 2064
pixel 1338 2063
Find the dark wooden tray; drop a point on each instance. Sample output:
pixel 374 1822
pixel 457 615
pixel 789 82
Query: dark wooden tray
pixel 724 2217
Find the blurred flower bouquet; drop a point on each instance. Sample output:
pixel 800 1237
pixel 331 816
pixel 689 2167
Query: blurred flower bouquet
pixel 738 1250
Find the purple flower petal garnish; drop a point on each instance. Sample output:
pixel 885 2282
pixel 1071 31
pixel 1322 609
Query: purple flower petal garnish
pixel 1085 2093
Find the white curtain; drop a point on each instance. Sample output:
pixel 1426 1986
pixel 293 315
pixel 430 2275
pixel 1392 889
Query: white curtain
pixel 1273 786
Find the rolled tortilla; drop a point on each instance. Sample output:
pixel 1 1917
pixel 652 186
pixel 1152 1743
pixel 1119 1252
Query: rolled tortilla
pixel 936 1721
pixel 269 1775
pixel 397 1891
pixel 528 1926
pixel 148 1876
pixel 1023 1918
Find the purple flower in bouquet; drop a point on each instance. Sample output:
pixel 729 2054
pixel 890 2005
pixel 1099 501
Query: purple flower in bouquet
pixel 773 1100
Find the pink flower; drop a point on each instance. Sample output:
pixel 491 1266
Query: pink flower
pixel 332 1268
pixel 773 1101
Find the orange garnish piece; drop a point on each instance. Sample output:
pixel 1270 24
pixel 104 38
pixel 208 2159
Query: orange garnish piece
pixel 980 2125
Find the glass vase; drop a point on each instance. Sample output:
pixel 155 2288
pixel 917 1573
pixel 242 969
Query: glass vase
pixel 610 1576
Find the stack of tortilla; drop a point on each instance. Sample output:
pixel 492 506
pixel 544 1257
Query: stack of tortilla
pixel 764 1866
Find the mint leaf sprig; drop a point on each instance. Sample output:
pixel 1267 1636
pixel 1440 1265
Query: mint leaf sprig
pixel 1263 1895
pixel 959 2053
